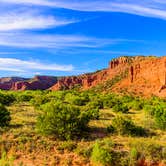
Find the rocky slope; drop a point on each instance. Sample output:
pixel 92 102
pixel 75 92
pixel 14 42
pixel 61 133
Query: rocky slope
pixel 38 82
pixel 7 82
pixel 87 81
pixel 137 75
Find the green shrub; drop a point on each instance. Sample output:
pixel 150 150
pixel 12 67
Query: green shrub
pixel 110 129
pixel 95 104
pixel 80 101
pixel 62 120
pixel 158 112
pixel 120 107
pixel 76 98
pixel 160 118
pixel 4 116
pixel 6 99
pixel 124 126
pixel 67 145
pixel 133 157
pixel 84 151
pixel 109 100
pixel 24 97
pixel 136 105
pixel 149 149
pixel 102 153
pixel 92 113
pixel 39 100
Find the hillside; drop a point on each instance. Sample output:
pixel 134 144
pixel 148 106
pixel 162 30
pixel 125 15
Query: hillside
pixel 36 83
pixel 138 75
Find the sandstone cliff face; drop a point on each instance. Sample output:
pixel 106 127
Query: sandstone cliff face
pixel 37 83
pixel 88 81
pixel 146 76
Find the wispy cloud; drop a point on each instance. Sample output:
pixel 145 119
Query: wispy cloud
pixel 144 8
pixel 29 20
pixel 32 40
pixel 18 65
pixel 10 53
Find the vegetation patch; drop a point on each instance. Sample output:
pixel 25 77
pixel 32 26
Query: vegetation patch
pixel 61 120
pixel 4 116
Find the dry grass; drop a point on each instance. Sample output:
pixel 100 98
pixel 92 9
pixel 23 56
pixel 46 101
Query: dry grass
pixel 26 147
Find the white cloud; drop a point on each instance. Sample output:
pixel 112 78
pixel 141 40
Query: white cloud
pixel 140 10
pixel 28 20
pixel 144 8
pixel 11 69
pixel 36 2
pixel 18 65
pixel 32 40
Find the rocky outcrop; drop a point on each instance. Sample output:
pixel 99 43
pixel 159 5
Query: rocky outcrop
pixel 36 83
pixel 85 81
pixel 145 76
pixel 88 81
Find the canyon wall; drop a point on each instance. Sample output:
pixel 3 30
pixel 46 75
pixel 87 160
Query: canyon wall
pixel 144 76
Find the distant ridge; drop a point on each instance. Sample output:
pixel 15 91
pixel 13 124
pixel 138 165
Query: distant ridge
pixel 18 83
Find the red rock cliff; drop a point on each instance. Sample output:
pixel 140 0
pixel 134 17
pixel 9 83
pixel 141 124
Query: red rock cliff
pixel 146 76
pixel 87 81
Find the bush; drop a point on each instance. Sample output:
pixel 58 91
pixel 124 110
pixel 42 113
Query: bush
pixel 62 120
pixel 67 145
pixel 6 99
pixel 133 157
pixel 92 113
pixel 120 107
pixel 124 126
pixel 84 151
pixel 109 101
pixel 158 112
pixel 137 105
pixel 149 149
pixel 76 99
pixel 102 153
pixel 96 104
pixel 4 116
pixel 39 100
pixel 24 97
pixel 160 118
pixel 110 129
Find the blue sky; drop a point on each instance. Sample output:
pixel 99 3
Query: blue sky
pixel 69 37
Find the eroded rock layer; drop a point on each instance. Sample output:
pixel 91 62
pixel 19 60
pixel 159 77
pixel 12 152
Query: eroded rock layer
pixel 144 76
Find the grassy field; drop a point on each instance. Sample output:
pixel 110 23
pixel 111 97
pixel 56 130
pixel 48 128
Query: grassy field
pixel 22 146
